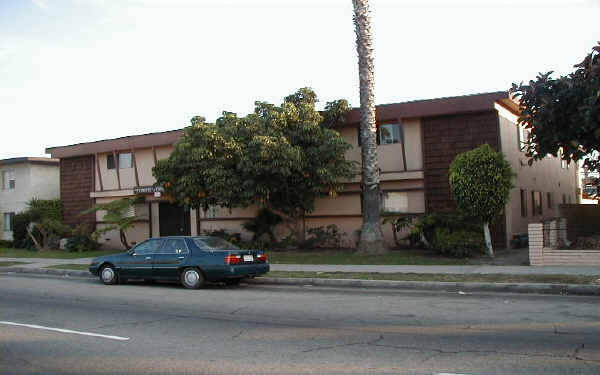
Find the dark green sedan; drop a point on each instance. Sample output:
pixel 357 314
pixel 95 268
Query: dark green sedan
pixel 191 260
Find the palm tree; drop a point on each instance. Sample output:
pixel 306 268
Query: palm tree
pixel 371 235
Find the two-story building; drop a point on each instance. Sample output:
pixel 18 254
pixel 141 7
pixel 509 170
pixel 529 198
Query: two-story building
pixel 417 141
pixel 23 179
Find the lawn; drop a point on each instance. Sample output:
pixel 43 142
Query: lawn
pixel 457 278
pixel 77 267
pixel 57 254
pixel 395 257
pixel 8 264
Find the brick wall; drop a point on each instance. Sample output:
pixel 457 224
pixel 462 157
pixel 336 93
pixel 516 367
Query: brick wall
pixel 539 255
pixel 76 183
pixel 444 137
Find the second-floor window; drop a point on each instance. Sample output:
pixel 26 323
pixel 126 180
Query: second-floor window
pixel 8 179
pixel 125 161
pixel 386 134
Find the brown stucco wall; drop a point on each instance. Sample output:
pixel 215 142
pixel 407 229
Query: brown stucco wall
pixel 444 137
pixel 76 183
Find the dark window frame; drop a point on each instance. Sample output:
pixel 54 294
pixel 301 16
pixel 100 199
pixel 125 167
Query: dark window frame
pixel 110 161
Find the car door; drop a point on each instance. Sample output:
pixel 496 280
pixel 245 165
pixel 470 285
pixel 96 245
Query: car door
pixel 172 255
pixel 138 265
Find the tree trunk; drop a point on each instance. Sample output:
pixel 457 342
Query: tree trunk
pixel 124 239
pixel 488 239
pixel 371 235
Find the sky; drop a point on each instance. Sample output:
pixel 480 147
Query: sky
pixel 76 71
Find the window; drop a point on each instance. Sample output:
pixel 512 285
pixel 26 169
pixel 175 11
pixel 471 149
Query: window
pixel 564 199
pixel 550 199
pixel 8 221
pixel 174 246
pixel 386 134
pixel 394 202
pixel 523 203
pixel 389 134
pixel 110 161
pixel 148 247
pixel 125 160
pixel 536 203
pixel 523 137
pixel 8 179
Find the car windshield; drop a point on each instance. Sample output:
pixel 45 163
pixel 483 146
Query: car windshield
pixel 214 243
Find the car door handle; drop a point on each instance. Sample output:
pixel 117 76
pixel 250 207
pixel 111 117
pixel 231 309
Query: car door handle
pixel 148 258
pixel 181 257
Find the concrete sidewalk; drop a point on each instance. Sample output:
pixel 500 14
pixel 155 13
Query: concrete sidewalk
pixel 476 269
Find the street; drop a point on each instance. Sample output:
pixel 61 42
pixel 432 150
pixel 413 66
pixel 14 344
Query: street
pixel 56 325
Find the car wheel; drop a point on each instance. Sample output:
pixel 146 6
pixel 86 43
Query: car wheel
pixel 192 278
pixel 108 275
pixel 232 281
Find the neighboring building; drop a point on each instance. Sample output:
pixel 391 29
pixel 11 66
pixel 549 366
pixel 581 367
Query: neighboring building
pixel 23 179
pixel 417 142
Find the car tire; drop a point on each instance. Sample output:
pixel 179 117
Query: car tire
pixel 191 278
pixel 232 282
pixel 108 275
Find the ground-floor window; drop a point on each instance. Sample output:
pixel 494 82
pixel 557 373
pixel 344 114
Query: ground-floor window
pixel 523 203
pixel 8 221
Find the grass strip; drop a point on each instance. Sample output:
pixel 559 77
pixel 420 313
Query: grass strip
pixel 403 257
pixel 53 254
pixel 8 264
pixel 74 267
pixel 486 278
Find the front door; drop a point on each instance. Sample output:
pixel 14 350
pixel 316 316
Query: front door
pixel 173 220
pixel 169 258
pixel 138 264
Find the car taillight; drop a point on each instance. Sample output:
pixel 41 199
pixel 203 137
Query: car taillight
pixel 233 259
pixel 261 257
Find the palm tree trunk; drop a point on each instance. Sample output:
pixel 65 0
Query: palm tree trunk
pixel 371 235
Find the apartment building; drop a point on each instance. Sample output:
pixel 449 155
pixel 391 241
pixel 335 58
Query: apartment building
pixel 22 179
pixel 417 141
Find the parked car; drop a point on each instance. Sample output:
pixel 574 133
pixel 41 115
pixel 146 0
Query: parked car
pixel 191 260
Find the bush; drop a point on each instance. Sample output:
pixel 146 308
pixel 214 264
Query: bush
pixel 20 238
pixel 234 238
pixel 5 243
pixel 263 224
pixel 329 236
pixel 83 239
pixel 459 244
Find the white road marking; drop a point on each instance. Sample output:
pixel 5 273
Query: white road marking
pixel 66 331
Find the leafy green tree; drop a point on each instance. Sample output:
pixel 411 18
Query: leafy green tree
pixel 371 234
pixel 120 215
pixel 563 114
pixel 481 180
pixel 279 157
pixel 45 222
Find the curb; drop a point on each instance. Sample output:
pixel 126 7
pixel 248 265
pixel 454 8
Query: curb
pixel 559 289
pixel 556 289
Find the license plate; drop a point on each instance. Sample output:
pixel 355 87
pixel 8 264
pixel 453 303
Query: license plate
pixel 248 258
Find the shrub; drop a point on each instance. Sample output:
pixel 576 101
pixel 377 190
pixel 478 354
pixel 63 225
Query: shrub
pixel 329 236
pixel 5 243
pixel 234 238
pixel 460 243
pixel 449 233
pixel 20 238
pixel 263 225
pixel 83 239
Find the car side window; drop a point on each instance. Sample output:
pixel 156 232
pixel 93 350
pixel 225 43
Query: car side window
pixel 148 247
pixel 174 246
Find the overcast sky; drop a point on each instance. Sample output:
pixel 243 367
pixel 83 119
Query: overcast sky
pixel 82 70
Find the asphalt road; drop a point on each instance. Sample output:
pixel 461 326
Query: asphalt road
pixel 253 329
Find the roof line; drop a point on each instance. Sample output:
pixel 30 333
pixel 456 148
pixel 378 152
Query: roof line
pixel 113 139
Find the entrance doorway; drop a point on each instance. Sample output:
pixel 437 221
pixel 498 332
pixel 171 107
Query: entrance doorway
pixel 174 220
